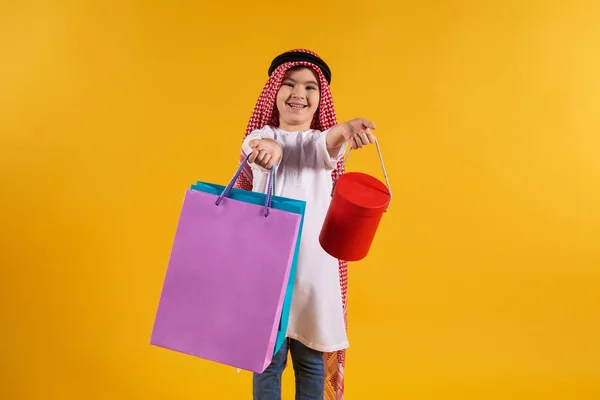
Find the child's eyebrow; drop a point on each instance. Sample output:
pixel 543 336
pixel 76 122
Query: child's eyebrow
pixel 307 82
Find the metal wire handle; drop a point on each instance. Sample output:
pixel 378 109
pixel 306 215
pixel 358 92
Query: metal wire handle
pixel 387 182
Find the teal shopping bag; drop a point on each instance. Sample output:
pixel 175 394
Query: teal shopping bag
pixel 279 203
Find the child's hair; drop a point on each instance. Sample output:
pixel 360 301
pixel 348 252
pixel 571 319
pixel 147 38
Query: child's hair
pixel 265 113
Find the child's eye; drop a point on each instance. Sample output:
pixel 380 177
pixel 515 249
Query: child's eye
pixel 311 88
pixel 288 84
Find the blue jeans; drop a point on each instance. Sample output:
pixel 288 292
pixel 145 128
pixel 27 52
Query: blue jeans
pixel 309 369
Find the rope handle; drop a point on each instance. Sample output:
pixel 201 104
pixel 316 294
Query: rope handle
pixel 387 182
pixel 270 186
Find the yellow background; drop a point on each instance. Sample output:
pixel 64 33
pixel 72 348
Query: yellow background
pixel 484 280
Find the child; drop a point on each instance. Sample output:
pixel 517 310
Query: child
pixel 294 129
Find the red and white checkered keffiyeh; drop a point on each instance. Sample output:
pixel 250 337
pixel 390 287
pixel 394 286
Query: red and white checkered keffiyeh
pixel 265 113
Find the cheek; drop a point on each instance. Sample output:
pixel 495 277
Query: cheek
pixel 282 95
pixel 314 99
pixel 279 97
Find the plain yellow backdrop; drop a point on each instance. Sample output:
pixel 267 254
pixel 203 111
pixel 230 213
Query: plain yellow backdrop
pixel 484 279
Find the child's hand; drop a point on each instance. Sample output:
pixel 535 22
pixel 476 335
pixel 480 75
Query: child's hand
pixel 358 132
pixel 265 152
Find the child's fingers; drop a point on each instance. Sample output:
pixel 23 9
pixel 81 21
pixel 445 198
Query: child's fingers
pixel 269 164
pixel 368 124
pixel 253 143
pixel 260 157
pixel 364 138
pixel 371 137
pixel 351 143
pixel 252 157
pixel 265 161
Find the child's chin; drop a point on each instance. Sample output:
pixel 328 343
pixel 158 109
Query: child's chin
pixel 298 121
pixel 300 116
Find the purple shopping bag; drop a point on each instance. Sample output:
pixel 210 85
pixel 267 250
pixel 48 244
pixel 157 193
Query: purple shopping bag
pixel 223 292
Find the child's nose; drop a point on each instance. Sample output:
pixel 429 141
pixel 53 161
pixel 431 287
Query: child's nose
pixel 298 91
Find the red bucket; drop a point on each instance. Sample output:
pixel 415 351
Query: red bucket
pixel 357 206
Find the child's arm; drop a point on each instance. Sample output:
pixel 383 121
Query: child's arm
pixel 356 131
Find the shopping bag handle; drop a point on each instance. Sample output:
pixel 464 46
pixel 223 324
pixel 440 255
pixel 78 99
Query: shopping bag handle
pixel 234 179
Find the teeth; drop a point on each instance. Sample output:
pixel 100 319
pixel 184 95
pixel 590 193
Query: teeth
pixel 295 106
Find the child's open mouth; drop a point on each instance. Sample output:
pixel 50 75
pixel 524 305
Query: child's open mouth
pixel 297 106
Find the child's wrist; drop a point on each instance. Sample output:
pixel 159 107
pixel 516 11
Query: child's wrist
pixel 335 137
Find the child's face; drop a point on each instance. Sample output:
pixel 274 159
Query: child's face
pixel 298 99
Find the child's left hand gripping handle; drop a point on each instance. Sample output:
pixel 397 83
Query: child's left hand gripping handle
pixel 266 153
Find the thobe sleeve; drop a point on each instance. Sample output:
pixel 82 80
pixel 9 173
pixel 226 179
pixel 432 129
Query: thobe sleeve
pixel 329 162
